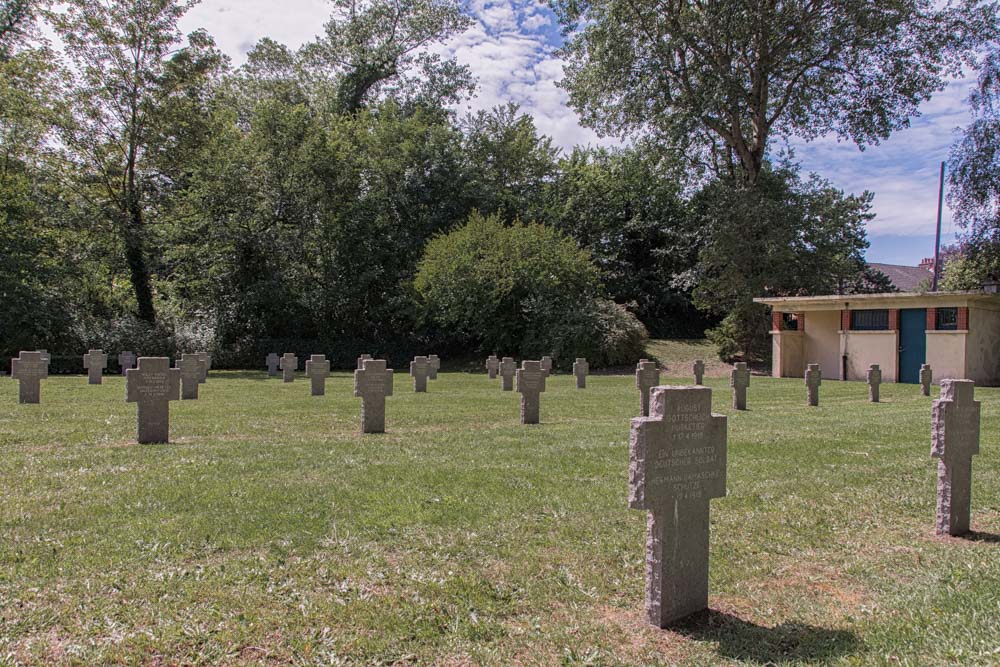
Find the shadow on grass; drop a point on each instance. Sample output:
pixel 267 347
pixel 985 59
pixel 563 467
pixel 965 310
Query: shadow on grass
pixel 742 640
pixel 975 536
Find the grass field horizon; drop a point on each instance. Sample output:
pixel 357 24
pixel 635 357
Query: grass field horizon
pixel 270 531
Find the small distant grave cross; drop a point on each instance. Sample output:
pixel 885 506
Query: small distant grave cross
pixel 95 361
pixel 530 384
pixel 580 369
pixel 492 366
pixel 190 367
pixel 29 369
pixel 698 368
pixel 272 362
pixel 954 441
pixel 153 384
pixel 507 370
pixel 433 366
pixel 874 379
pixel 419 369
pixel 373 383
pixel 647 376
pixel 206 365
pixel 739 380
pixel 362 359
pixel 126 360
pixel 814 378
pixel 546 366
pixel 926 376
pixel 677 463
pixel 289 364
pixel 318 369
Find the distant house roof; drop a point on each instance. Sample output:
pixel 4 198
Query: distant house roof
pixel 905 278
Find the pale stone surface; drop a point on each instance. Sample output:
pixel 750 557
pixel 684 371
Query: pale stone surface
pixel 420 368
pixel 29 369
pixel 547 366
pixel 581 369
pixel 492 366
pixel 739 380
pixel 814 378
pixel 95 361
pixel 373 383
pixel 289 364
pixel 126 360
pixel 677 463
pixel 362 359
pixel 46 357
pixel 698 368
pixel 530 384
pixel 206 365
pixel 433 365
pixel 874 380
pixel 318 369
pixel 647 376
pixel 190 367
pixel 926 377
pixel 954 441
pixel 507 370
pixel 272 362
pixel 153 384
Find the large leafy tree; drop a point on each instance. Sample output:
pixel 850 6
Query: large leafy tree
pixel 729 77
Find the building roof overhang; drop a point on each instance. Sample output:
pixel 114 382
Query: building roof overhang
pixel 802 304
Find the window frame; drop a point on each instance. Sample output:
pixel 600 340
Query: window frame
pixel 878 319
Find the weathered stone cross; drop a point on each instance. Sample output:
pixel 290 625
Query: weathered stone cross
pixel 698 368
pixel 739 380
pixel 373 383
pixel 362 359
pixel 507 370
pixel 814 378
pixel 433 366
pixel 580 369
pixel 318 369
pixel 289 364
pixel 530 384
pixel 95 361
pixel 126 360
pixel 153 384
pixel 677 463
pixel 926 376
pixel 492 366
pixel 647 376
pixel 546 366
pixel 29 369
pixel 419 369
pixel 190 367
pixel 874 378
pixel 206 365
pixel 272 362
pixel 954 441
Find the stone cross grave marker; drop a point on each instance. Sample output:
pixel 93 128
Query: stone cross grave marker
pixel 698 368
pixel 926 376
pixel 272 362
pixel 492 366
pixel 874 379
pixel 206 365
pixel 289 364
pixel 190 367
pixel 433 366
pixel 362 359
pixel 677 463
pixel 46 357
pixel 580 369
pixel 814 378
pixel 153 384
pixel 954 441
pixel 507 370
pixel 318 369
pixel 126 360
pixel 647 376
pixel 420 368
pixel 373 383
pixel 739 380
pixel 546 366
pixel 95 361
pixel 29 369
pixel 530 384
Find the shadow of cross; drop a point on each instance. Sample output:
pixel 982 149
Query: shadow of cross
pixel 95 361
pixel 289 364
pixel 29 369
pixel 190 367
pixel 318 369
pixel 530 384
pixel 647 376
pixel 677 463
pixel 372 384
pixel 507 370
pixel 580 369
pixel 153 384
pixel 954 441
pixel 419 369
pixel 272 362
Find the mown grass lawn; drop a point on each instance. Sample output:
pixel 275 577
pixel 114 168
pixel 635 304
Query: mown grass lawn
pixel 270 531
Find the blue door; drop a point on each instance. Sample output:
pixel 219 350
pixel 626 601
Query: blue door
pixel 912 343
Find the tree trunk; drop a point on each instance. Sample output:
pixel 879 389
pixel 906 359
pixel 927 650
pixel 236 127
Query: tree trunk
pixel 135 257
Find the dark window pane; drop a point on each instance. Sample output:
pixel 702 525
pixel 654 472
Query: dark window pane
pixel 947 319
pixel 791 322
pixel 870 320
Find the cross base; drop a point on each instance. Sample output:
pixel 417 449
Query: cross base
pixel 677 561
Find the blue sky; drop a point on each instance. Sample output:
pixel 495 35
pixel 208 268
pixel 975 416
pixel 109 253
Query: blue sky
pixel 511 46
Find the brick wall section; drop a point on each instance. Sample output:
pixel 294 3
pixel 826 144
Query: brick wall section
pixel 894 319
pixel 963 318
pixel 845 320
pixel 931 319
pixel 802 322
pixel 777 319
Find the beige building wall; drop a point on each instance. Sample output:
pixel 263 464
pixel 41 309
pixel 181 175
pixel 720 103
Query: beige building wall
pixel 864 348
pixel 786 359
pixel 946 354
pixel 983 347
pixel 822 342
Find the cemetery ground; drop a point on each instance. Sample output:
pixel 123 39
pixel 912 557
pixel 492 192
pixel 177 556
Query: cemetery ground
pixel 270 531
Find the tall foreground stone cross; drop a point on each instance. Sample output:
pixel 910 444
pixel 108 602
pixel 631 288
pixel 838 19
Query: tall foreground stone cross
pixel 95 361
pixel 698 368
pixel 420 368
pixel 206 365
pixel 926 376
pixel 190 367
pixel 272 362
pixel 814 378
pixel 530 384
pixel 547 366
pixel 153 384
pixel 318 369
pixel 433 366
pixel 580 369
pixel 874 379
pixel 373 383
pixel 954 441
pixel 647 376
pixel 126 360
pixel 492 366
pixel 29 369
pixel 507 370
pixel 739 380
pixel 677 463
pixel 289 364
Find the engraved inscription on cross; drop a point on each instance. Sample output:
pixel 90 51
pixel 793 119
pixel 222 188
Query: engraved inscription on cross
pixel 698 368
pixel 95 361
pixel 874 379
pixel 580 369
pixel 272 362
pixel 433 365
pixel 647 376
pixel 507 370
pixel 318 368
pixel 739 380
pixel 677 463
pixel 926 376
pixel 954 441
pixel 29 369
pixel 126 360
pixel 419 369
pixel 530 384
pixel 814 378
pixel 289 364
pixel 373 383
pixel 152 385
pixel 492 366
pixel 190 367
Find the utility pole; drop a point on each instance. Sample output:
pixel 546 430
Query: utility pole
pixel 937 238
